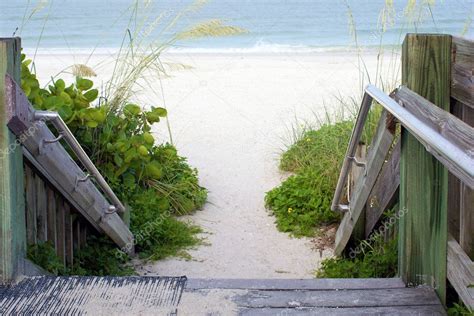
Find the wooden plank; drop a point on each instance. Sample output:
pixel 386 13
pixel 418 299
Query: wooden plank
pixel 462 86
pixel 447 125
pixel 431 310
pixel 12 203
pixel 295 284
pixel 423 180
pixel 342 298
pixel 41 210
pixel 61 230
pixel 84 234
pixel 466 235
pixel 454 186
pixel 69 232
pixel 463 51
pixel 385 191
pixel 380 146
pixel 53 161
pixel 355 174
pixel 461 272
pixel 30 187
pixel 51 213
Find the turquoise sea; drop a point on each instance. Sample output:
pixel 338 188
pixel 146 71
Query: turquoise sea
pixel 272 25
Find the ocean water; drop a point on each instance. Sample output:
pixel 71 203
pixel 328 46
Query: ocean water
pixel 272 25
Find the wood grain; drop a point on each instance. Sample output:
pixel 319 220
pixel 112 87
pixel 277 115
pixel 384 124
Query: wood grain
pixel 426 70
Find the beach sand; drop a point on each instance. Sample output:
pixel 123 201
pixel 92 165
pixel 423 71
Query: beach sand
pixel 232 116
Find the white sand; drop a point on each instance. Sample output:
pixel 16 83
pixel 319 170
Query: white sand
pixel 230 115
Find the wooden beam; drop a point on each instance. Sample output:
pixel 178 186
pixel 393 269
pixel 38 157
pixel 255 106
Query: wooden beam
pixel 426 70
pixel 69 230
pixel 42 212
pixel 355 174
pixel 461 272
pixel 60 229
pixel 12 202
pixel 385 191
pixel 379 148
pixel 55 164
pixel 30 186
pixel 447 125
pixel 51 213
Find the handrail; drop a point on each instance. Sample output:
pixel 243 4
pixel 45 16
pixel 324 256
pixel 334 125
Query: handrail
pixel 66 133
pixel 435 143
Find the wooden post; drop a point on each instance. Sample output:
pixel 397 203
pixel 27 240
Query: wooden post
pixel 426 66
pixel 12 203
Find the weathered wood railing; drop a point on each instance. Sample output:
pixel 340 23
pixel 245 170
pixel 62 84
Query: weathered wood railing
pixel 431 176
pixel 46 195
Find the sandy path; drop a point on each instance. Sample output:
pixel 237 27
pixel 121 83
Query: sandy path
pixel 230 116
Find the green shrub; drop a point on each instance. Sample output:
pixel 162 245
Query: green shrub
pixel 302 202
pixel 44 255
pixel 459 310
pixel 100 257
pixel 151 178
pixel 379 261
pixel 157 233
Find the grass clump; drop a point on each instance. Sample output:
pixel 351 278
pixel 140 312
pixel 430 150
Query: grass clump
pixel 459 310
pixel 379 260
pixel 302 202
pixel 99 258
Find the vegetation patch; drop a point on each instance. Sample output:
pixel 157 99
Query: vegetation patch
pixel 151 178
pixel 378 260
pixel 302 203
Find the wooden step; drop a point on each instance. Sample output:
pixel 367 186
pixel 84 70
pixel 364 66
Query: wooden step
pixel 154 295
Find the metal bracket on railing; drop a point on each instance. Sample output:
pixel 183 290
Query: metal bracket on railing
pixel 344 208
pixel 57 139
pixel 44 142
pixel 111 209
pixel 78 180
pixel 359 163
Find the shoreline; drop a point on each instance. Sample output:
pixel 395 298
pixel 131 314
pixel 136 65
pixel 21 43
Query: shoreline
pixel 110 52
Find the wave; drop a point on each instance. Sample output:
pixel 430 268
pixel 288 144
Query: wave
pixel 259 48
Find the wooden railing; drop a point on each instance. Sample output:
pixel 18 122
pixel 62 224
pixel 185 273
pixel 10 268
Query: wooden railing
pixel 432 183
pixel 46 195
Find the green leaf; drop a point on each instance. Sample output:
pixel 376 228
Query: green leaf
pixel 149 139
pixel 160 111
pixel 130 155
pixel 154 170
pixel 129 180
pixel 121 170
pixel 132 109
pixel 65 112
pixel 92 124
pixel 142 150
pixel 91 95
pixel 118 160
pixel 83 84
pixel 53 103
pixel 60 85
pixel 65 97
